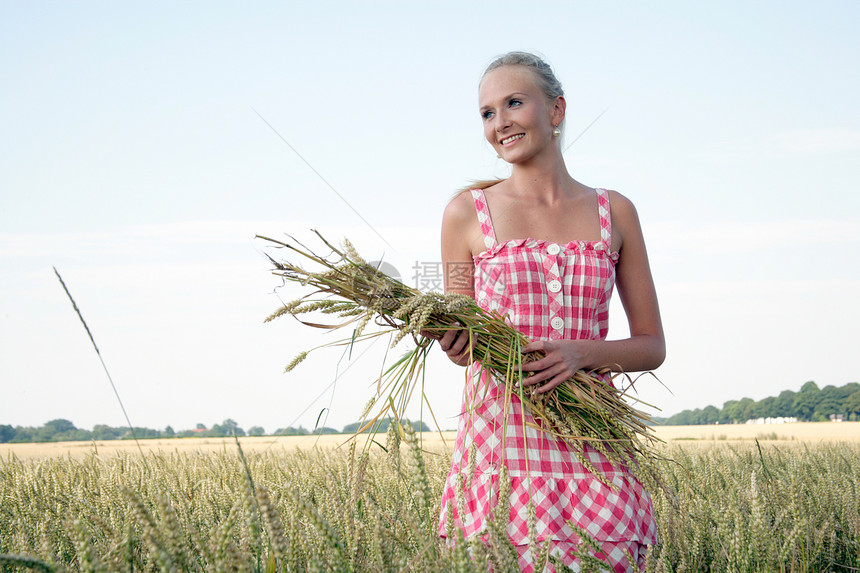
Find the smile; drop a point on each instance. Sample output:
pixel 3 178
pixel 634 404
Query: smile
pixel 507 140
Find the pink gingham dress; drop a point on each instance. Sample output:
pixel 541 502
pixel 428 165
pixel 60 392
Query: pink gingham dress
pixel 549 292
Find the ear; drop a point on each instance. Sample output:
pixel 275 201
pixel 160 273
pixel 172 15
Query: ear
pixel 558 110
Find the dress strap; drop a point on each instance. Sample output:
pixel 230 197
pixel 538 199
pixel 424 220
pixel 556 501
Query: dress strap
pixel 484 218
pixel 605 218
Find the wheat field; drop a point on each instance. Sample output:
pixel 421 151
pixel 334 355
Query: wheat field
pixel 744 505
pixel 802 431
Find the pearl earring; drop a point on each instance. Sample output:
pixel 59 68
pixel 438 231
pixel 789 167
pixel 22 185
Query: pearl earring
pixel 556 132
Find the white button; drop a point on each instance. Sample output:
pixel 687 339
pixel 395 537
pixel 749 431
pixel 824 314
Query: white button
pixel 554 286
pixel 557 323
pixel 553 249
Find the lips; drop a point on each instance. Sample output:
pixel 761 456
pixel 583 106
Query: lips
pixel 512 138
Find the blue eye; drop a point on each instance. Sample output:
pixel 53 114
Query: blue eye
pixel 487 114
pixel 514 103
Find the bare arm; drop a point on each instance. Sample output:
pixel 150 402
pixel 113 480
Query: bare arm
pixel 459 224
pixel 645 349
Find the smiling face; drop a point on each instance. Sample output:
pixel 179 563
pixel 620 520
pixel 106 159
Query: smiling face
pixel 518 118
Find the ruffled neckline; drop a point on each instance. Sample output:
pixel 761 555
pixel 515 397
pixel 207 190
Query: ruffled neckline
pixel 531 243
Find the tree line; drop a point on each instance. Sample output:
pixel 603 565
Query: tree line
pixel 810 404
pixel 62 430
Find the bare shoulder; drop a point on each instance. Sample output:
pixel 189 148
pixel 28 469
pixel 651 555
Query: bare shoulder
pixel 625 219
pixel 461 235
pixel 460 209
pixel 621 206
pixel 461 231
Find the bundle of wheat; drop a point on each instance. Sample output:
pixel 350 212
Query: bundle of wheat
pixel 584 409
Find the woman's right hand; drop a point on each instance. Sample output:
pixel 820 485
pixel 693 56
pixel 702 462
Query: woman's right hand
pixel 455 343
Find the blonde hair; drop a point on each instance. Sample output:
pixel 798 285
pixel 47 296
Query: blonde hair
pixel 480 184
pixel 546 80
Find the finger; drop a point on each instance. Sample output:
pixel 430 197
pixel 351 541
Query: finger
pixel 551 379
pixel 538 346
pixel 536 378
pixel 542 363
pixel 550 385
pixel 538 365
pixel 461 358
pixel 448 339
pixel 546 374
pixel 461 343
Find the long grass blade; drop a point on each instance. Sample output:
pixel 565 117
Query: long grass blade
pixel 95 346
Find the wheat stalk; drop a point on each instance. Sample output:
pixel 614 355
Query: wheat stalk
pixel 583 410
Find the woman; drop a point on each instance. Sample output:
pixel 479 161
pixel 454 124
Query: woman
pixel 545 251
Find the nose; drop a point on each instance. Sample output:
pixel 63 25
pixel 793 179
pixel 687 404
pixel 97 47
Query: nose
pixel 502 121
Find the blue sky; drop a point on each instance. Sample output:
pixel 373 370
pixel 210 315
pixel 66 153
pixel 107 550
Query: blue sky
pixel 133 159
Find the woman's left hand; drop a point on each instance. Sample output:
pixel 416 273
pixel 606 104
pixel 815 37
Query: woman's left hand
pixel 562 359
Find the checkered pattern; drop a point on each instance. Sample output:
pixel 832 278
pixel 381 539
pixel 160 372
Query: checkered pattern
pixel 549 292
pixel 613 555
pixel 484 218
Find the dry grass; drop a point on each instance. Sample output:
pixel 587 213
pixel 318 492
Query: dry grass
pixel 190 446
pixel 800 431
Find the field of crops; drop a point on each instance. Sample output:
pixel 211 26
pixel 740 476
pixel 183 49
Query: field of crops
pixel 773 506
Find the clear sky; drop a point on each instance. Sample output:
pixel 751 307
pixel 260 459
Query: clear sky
pixel 133 159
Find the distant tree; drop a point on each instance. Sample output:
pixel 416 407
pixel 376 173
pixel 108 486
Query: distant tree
pixel 139 433
pixel 352 428
pixel 256 431
pixel 739 411
pixel 291 431
pixel 852 404
pixel 227 428
pixel 7 433
pixel 168 432
pixel 849 388
pixel 23 434
pixel 695 417
pixel 831 402
pixel 56 431
pixel 784 404
pixel 810 387
pixel 746 406
pixel 102 432
pixel 200 427
pixel 765 408
pixel 76 435
pixel 382 426
pixel 728 408
pixel 60 425
pixel 710 415
pixel 806 401
pixel 682 418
